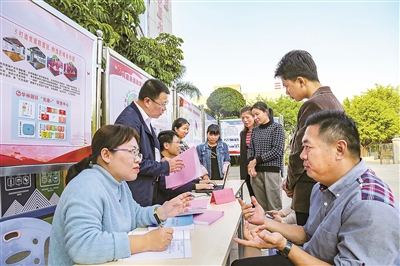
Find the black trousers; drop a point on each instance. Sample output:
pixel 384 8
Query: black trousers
pixel 274 260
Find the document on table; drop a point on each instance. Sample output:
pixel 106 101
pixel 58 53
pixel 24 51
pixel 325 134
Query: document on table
pixel 180 247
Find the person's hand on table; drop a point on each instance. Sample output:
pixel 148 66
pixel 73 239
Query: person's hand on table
pixel 208 181
pixel 158 239
pixel 175 206
pixel 204 186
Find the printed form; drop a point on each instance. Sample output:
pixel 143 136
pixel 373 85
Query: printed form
pixel 179 248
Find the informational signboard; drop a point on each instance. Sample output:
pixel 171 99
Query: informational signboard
pixel 123 82
pixel 47 72
pixel 230 133
pixel 193 115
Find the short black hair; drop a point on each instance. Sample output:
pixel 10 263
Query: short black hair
pixel 152 88
pixel 179 122
pixel 336 125
pixel 213 129
pixel 297 63
pixel 166 136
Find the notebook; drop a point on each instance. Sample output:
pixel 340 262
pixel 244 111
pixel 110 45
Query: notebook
pixel 217 187
pixel 207 217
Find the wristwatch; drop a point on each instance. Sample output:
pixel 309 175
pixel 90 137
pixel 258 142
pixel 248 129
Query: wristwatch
pixel 285 252
pixel 156 215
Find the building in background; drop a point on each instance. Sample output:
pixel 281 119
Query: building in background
pixel 157 18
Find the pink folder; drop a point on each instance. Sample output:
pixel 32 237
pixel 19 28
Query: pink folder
pixel 207 217
pixel 191 171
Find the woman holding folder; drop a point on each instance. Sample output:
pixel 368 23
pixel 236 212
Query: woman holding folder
pixel 96 209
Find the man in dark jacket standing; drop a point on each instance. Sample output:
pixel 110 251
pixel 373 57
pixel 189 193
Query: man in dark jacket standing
pixel 152 102
pixel 299 76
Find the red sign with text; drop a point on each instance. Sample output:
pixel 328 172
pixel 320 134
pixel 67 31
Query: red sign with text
pixel 222 196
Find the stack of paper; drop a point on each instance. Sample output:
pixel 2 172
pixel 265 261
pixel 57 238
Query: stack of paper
pixel 180 247
pixel 207 217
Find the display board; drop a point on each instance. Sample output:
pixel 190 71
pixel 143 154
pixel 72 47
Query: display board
pixel 47 72
pixel 192 114
pixel 123 81
pixel 230 133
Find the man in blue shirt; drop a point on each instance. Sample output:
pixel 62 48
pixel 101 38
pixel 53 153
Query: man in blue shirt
pixel 151 103
pixel 354 216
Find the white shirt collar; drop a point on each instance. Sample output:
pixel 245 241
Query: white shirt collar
pixel 145 117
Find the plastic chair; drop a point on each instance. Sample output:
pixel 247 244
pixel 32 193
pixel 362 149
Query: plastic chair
pixel 24 241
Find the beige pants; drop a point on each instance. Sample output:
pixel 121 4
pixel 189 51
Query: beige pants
pixel 267 190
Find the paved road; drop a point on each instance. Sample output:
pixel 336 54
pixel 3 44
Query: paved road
pixel 390 173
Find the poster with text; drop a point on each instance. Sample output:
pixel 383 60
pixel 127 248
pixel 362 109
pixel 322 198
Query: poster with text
pixel 124 82
pixel 192 114
pixel 47 72
pixel 230 133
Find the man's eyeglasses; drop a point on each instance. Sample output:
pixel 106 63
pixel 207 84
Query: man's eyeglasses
pixel 163 105
pixel 135 152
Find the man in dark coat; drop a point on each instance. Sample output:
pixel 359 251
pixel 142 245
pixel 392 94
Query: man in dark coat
pixel 152 102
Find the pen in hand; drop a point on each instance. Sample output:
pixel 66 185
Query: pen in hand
pixel 158 220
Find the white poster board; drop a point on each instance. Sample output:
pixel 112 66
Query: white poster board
pixel 47 72
pixel 230 133
pixel 123 82
pixel 192 114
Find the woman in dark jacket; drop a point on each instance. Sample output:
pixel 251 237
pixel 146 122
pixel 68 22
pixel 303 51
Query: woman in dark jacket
pixel 245 136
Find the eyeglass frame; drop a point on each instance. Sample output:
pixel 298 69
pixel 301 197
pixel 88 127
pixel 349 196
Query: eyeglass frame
pixel 163 105
pixel 135 152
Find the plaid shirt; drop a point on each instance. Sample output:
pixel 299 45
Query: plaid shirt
pixel 267 144
pixel 354 221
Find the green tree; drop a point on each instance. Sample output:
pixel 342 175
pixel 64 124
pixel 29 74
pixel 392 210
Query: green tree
pixel 160 57
pixel 285 106
pixel 186 88
pixel 377 114
pixel 225 102
pixel 119 22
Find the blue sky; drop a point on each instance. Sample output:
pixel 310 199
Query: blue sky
pixel 354 44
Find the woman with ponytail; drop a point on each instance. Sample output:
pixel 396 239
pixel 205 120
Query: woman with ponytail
pixel 265 157
pixel 96 209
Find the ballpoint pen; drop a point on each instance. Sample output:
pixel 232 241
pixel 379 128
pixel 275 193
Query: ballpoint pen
pixel 158 220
